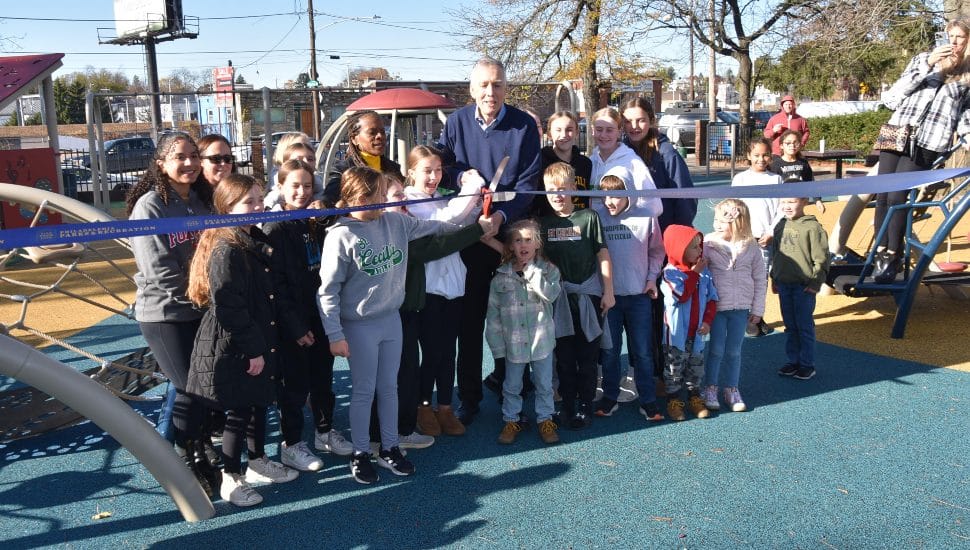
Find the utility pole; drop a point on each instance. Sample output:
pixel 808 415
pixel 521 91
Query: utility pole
pixel 712 67
pixel 313 72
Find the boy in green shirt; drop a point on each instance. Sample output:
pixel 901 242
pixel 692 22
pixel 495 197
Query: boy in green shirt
pixel 574 242
pixel 798 268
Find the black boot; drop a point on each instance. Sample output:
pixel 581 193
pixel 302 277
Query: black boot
pixel 210 469
pixel 887 268
pixel 186 452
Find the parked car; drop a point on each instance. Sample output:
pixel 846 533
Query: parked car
pixel 679 124
pixel 125 154
pixel 760 119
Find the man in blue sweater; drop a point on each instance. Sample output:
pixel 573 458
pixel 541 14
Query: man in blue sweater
pixel 476 138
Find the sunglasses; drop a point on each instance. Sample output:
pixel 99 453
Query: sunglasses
pixel 220 159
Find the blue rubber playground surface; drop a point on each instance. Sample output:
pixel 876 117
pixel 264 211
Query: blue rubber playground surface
pixel 871 453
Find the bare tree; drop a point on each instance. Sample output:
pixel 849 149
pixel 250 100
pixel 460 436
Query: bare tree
pixel 731 29
pixel 560 39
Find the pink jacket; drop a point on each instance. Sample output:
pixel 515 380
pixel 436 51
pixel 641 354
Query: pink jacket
pixel 797 123
pixel 739 274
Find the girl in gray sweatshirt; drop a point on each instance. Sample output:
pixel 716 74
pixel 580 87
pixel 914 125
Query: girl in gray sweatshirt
pixel 362 274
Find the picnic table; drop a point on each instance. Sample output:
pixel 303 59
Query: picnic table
pixel 838 155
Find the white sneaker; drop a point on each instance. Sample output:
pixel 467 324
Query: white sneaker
pixel 628 390
pixel 264 470
pixel 333 442
pixel 415 441
pixel 235 490
pixel 732 397
pixel 299 456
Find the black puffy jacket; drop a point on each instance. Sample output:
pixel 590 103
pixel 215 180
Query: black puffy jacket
pixel 242 322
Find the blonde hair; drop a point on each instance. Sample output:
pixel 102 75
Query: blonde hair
pixel 610 113
pixel 559 173
pixel 230 190
pixel 562 114
pixel 279 154
pixel 417 154
pixel 358 183
pixel 522 225
pixel 734 212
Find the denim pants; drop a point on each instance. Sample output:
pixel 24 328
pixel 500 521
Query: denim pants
pixel 798 313
pixel 512 389
pixel 724 347
pixel 633 313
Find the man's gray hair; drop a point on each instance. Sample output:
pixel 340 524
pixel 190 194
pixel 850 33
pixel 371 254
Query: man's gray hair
pixel 489 62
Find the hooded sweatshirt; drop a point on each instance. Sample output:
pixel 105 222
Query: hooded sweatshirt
pixel 689 297
pixel 801 253
pixel 628 158
pixel 363 267
pixel 634 241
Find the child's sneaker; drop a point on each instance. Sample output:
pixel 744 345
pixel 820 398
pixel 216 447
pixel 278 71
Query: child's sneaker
pixel 675 409
pixel 299 456
pixel 697 407
pixel 333 442
pixel 709 393
pixel 804 373
pixel 509 433
pixel 394 460
pixel 651 412
pixel 606 407
pixel 628 390
pixel 547 431
pixel 427 421
pixel 732 398
pixel 235 490
pixel 580 418
pixel 788 370
pixel 415 441
pixel 264 470
pixel 362 469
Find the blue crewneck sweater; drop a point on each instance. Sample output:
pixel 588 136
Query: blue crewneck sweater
pixel 514 136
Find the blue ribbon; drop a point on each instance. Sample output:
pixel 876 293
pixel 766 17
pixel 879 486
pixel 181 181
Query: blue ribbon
pixel 96 231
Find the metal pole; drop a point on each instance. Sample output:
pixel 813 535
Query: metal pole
pixel 50 115
pixel 156 106
pixel 267 131
pixel 313 72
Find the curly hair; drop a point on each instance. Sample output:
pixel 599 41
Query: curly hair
pixel 156 180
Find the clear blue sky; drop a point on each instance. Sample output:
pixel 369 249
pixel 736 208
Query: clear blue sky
pixel 412 39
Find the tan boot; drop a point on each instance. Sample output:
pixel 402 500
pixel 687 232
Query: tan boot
pixel 547 431
pixel 427 421
pixel 697 407
pixel 450 425
pixel 509 432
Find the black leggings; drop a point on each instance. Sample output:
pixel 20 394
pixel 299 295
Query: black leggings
pixel 891 162
pixel 306 371
pixel 440 320
pixel 171 344
pixel 243 425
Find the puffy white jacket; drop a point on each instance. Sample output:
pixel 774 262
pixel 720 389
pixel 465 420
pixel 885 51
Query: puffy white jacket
pixel 446 277
pixel 627 158
pixel 739 274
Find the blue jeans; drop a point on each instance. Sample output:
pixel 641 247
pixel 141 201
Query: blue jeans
pixel 634 313
pixel 724 347
pixel 512 389
pixel 798 313
pixel 164 424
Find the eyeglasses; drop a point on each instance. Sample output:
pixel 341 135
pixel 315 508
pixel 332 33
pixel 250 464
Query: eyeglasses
pixel 220 159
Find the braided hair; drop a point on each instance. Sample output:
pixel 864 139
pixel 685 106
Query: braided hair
pixel 156 180
pixel 354 126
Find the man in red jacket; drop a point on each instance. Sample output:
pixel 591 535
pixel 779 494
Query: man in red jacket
pixel 783 120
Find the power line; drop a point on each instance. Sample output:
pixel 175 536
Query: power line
pixel 72 20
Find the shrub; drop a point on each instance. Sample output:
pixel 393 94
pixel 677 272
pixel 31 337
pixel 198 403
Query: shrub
pixel 856 131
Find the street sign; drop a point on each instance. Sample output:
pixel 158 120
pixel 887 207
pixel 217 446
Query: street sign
pixel 312 84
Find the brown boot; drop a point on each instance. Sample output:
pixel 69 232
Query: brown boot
pixel 547 431
pixel 509 432
pixel 427 421
pixel 697 407
pixel 450 425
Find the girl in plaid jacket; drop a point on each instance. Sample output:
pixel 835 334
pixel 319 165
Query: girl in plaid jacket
pixel 519 326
